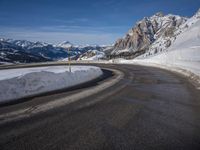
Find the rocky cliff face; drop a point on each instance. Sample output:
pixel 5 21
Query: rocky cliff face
pixel 147 31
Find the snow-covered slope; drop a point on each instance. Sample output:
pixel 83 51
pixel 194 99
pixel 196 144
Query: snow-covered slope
pixel 185 37
pixel 19 83
pixel 164 42
pixel 13 53
pixel 149 33
pixel 65 44
pixel 92 55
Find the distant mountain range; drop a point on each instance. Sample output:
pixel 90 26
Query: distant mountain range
pixel 23 51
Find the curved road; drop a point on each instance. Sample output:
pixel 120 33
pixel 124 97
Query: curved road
pixel 148 108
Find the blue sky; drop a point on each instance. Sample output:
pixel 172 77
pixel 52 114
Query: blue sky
pixel 81 21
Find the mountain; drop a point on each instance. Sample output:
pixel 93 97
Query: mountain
pixel 157 30
pixel 94 52
pixel 92 55
pixel 168 42
pixel 15 54
pixel 43 51
pixel 27 44
pixel 183 55
pixel 65 45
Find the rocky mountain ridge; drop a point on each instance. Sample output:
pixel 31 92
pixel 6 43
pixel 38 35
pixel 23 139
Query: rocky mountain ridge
pixel 152 32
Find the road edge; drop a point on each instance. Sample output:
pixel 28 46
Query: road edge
pixel 193 78
pixel 30 111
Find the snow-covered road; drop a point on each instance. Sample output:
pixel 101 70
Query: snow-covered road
pixel 19 83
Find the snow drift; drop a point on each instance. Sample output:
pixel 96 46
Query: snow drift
pixel 20 83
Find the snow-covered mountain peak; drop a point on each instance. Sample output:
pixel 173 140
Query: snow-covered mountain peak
pixel 191 21
pixel 197 15
pixel 23 43
pixel 163 19
pixel 180 28
pixel 65 44
pixel 40 44
pixel 155 30
pixel 159 14
pixel 2 39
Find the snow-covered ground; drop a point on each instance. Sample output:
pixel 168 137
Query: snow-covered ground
pixel 19 83
pixel 92 55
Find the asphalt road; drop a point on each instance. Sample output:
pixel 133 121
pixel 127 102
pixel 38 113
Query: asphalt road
pixel 148 108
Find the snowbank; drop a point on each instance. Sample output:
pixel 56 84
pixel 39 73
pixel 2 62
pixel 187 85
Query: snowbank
pixel 19 83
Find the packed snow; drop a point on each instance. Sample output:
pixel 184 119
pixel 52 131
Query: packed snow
pixel 20 83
